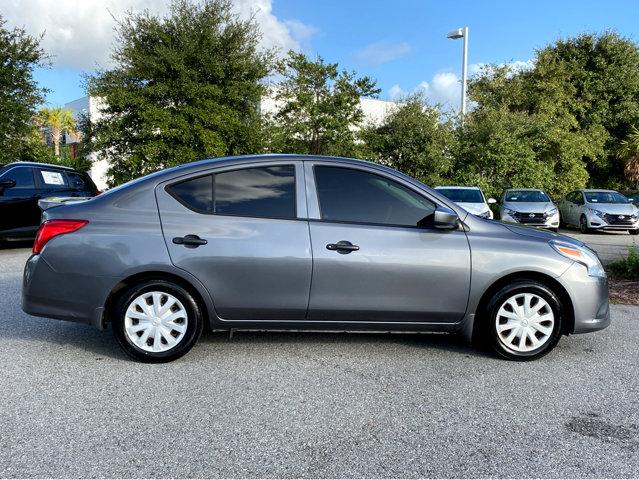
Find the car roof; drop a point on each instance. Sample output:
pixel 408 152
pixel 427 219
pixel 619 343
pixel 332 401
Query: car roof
pixel 36 164
pixel 592 190
pixel 525 189
pixel 456 187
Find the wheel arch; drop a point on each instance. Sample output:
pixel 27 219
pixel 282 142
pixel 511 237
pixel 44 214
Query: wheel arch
pixel 547 280
pixel 140 277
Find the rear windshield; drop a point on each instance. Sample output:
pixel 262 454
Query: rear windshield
pixel 526 196
pixel 605 197
pixel 462 195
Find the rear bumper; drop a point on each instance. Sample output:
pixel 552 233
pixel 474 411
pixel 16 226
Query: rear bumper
pixel 589 296
pixel 47 293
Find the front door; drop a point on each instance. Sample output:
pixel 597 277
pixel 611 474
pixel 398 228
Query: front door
pixel 238 231
pixel 19 211
pixel 371 260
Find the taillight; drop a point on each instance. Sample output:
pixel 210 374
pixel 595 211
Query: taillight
pixel 53 228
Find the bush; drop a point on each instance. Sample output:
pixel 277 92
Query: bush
pixel 627 268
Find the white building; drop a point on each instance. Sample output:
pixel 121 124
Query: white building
pixel 374 112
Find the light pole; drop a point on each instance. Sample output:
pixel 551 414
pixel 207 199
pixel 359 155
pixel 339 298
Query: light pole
pixel 455 34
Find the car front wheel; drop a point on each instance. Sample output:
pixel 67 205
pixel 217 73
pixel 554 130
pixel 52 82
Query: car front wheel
pixel 634 232
pixel 157 321
pixel 524 320
pixel 583 224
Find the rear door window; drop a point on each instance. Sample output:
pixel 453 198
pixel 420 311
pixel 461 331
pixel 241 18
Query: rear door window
pixel 265 192
pixel 53 179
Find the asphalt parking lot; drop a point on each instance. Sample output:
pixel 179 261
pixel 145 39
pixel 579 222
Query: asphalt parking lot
pixel 311 405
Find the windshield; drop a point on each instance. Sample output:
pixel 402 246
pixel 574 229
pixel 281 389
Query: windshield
pixel 462 195
pixel 605 197
pixel 526 196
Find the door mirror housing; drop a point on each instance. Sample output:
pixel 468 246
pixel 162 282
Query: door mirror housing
pixel 7 183
pixel 445 219
pixel 492 201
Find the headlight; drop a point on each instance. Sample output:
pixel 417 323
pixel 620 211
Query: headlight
pixel 510 212
pixel 485 214
pixel 583 255
pixel 597 212
pixel 551 212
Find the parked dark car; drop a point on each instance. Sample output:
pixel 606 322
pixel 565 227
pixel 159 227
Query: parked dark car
pixel 302 242
pixel 632 195
pixel 23 184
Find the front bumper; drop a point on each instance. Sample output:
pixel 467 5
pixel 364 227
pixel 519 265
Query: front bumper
pixel 589 297
pixel 550 222
pixel 595 222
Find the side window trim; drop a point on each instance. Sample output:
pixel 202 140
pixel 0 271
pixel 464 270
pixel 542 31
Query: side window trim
pixel 314 201
pixel 297 174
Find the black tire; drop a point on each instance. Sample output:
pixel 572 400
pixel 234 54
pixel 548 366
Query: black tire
pixel 490 321
pixel 583 224
pixel 562 224
pixel 634 232
pixel 194 321
pixel 555 229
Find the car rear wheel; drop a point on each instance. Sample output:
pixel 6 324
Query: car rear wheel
pixel 634 232
pixel 157 321
pixel 524 321
pixel 583 224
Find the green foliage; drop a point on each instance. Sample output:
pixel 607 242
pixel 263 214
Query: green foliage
pixel 627 268
pixel 184 87
pixel 19 93
pixel 584 88
pixel 318 108
pixel 413 139
pixel 628 151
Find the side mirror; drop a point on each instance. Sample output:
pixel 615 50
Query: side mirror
pixel 445 219
pixel 491 201
pixel 7 183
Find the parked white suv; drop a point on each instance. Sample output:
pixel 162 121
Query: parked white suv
pixel 471 199
pixel 529 206
pixel 599 210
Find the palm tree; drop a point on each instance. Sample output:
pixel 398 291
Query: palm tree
pixel 629 152
pixel 58 120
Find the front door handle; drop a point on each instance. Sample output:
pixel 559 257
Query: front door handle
pixel 190 241
pixel 343 246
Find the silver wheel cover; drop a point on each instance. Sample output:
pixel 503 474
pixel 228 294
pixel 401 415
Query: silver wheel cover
pixel 524 322
pixel 155 322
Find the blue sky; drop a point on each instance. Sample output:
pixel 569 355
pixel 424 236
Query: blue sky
pixel 402 44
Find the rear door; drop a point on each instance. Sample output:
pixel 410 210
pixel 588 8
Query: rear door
pixel 371 260
pixel 242 231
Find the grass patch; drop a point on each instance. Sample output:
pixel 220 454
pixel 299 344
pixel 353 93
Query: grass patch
pixel 628 268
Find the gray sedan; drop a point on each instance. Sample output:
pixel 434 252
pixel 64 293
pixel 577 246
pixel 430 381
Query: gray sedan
pixel 301 242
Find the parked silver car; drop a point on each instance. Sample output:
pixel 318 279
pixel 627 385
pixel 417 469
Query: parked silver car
pixel 599 210
pixel 529 206
pixel 299 242
pixel 471 198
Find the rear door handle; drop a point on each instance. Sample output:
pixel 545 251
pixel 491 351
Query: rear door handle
pixel 343 246
pixel 190 241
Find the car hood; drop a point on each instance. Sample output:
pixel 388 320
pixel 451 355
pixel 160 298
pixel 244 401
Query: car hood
pixel 476 208
pixel 614 208
pixel 530 207
pixel 541 234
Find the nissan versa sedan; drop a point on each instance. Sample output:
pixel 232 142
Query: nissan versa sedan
pixel 470 198
pixel 302 242
pixel 599 210
pixel 531 207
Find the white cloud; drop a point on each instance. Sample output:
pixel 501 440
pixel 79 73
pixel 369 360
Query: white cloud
pixel 445 87
pixel 80 33
pixel 381 52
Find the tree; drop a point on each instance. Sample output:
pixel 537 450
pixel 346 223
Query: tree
pixel 587 86
pixel 57 120
pixel 318 107
pixel 629 152
pixel 19 92
pixel 413 139
pixel 184 87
